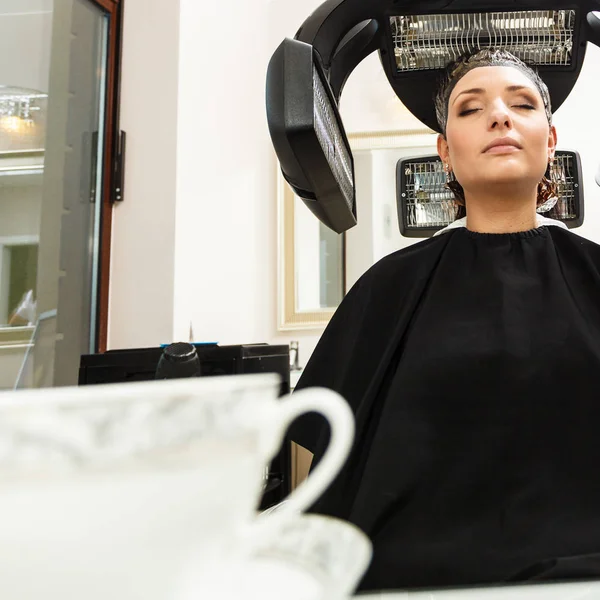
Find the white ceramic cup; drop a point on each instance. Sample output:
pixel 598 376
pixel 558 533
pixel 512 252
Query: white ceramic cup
pixel 146 491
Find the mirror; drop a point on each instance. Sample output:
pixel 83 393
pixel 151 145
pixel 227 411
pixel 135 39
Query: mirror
pixel 311 275
pixel 315 265
pixel 22 136
pixel 21 191
pixel 376 155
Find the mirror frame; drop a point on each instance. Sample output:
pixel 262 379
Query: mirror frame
pixel 288 318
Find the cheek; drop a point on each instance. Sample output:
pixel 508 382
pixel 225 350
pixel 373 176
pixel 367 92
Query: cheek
pixel 539 149
pixel 464 161
pixel 462 145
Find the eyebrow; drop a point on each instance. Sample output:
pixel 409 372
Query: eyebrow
pixel 510 88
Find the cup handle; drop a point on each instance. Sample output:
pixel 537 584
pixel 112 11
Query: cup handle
pixel 341 419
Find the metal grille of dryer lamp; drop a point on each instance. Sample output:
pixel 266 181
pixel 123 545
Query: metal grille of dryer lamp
pixel 418 47
pixel 538 37
pixel 331 140
pixel 426 205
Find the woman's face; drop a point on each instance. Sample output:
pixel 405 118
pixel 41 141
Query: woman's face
pixel 490 105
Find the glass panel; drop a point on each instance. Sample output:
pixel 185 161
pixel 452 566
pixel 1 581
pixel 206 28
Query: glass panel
pixel 52 104
pixel 331 270
pixel 318 256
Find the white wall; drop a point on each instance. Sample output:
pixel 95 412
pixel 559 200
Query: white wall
pixel 224 224
pixel 143 244
pixel 369 103
pixel 201 175
pixel 226 261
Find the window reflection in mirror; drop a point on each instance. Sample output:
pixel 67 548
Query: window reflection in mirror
pixel 22 137
pixel 20 262
pixel 20 208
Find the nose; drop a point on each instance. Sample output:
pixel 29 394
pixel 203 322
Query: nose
pixel 499 117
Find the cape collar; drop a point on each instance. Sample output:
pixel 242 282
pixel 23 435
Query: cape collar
pixel 539 222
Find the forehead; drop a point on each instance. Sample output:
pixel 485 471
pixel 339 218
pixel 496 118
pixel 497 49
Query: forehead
pixel 493 79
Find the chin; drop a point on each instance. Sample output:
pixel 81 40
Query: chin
pixel 500 182
pixel 508 173
pixel 510 183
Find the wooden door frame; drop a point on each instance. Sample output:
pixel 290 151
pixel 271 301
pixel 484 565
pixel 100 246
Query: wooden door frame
pixel 110 168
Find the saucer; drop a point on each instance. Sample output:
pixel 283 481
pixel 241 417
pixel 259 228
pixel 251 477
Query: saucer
pixel 313 558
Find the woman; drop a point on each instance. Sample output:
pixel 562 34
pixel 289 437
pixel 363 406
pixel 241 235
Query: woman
pixel 472 363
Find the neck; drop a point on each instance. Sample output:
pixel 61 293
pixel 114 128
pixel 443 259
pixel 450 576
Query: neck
pixel 489 213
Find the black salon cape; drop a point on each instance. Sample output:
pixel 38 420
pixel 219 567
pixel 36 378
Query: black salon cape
pixel 472 364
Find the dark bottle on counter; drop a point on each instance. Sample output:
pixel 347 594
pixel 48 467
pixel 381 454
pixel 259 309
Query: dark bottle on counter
pixel 178 360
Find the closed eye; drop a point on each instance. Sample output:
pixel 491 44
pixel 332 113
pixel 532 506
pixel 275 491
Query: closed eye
pixel 472 110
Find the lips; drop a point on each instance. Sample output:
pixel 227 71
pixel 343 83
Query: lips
pixel 504 141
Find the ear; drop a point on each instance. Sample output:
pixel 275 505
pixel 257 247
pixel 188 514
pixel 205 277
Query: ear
pixel 442 148
pixel 552 137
